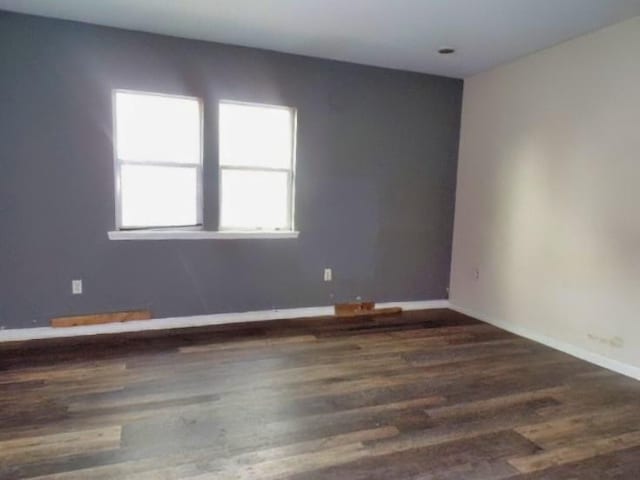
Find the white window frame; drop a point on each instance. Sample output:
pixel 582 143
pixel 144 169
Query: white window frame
pixel 118 163
pixel 290 227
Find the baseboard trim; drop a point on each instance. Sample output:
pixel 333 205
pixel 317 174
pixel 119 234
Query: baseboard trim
pixel 568 348
pixel 39 333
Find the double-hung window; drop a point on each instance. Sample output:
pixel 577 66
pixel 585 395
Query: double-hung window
pixel 158 149
pixel 257 166
pixel 159 160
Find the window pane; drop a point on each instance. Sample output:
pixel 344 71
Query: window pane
pixel 155 128
pixel 158 196
pixel 256 136
pixel 254 199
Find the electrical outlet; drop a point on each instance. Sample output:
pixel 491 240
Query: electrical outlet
pixel 76 287
pixel 476 273
pixel 328 275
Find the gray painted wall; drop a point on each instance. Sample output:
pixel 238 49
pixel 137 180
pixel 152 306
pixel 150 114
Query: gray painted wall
pixel 377 153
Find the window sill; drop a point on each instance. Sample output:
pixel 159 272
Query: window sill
pixel 196 235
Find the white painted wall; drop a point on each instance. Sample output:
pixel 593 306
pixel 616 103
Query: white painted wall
pixel 548 202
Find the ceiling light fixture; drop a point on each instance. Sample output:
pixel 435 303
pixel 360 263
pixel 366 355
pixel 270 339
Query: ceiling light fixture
pixel 446 50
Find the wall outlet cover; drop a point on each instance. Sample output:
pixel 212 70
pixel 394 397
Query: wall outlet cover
pixel 76 287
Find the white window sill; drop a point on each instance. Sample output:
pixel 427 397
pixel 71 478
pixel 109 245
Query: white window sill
pixel 196 235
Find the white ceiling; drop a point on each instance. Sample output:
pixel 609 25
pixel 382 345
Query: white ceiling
pixel 402 34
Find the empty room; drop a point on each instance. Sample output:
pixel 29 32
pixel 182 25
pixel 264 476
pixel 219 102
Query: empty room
pixel 319 239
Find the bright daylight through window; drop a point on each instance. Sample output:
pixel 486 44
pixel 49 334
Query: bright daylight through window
pixel 158 149
pixel 257 166
pixel 158 160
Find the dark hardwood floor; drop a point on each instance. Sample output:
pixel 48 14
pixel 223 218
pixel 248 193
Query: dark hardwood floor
pixel 424 395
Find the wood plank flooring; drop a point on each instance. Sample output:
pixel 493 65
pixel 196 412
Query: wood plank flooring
pixel 422 395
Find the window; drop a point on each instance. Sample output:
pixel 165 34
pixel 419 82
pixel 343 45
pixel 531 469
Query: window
pixel 158 168
pixel 158 150
pixel 257 160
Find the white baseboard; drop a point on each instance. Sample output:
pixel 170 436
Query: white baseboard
pixel 22 334
pixel 568 348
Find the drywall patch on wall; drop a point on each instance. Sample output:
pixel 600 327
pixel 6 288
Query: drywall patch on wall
pixel 613 342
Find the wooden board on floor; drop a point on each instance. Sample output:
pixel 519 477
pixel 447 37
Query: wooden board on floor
pixel 363 309
pixel 98 318
pixel 371 313
pixel 353 307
